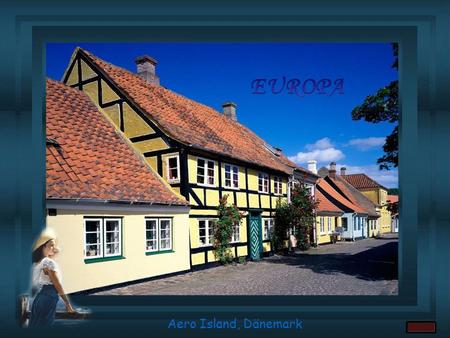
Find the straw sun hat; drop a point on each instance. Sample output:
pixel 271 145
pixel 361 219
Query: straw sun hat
pixel 46 235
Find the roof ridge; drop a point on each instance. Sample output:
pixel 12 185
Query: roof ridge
pixel 352 191
pixel 162 90
pixel 351 187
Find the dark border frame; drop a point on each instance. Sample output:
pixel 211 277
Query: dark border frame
pixel 422 33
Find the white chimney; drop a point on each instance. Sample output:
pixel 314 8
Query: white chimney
pixel 312 166
pixel 332 171
pixel 343 169
pixel 229 110
pixel 146 68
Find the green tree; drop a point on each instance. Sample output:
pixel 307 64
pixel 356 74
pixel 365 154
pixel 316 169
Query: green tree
pixel 303 214
pixel 228 216
pixel 283 220
pixel 383 107
pixel 298 216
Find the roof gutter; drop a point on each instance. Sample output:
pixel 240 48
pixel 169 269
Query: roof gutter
pixel 120 202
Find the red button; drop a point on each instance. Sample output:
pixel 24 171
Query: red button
pixel 420 327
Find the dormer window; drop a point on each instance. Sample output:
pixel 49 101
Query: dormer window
pixel 173 169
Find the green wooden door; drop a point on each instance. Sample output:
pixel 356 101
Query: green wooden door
pixel 255 236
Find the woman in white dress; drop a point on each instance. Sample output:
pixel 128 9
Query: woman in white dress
pixel 46 281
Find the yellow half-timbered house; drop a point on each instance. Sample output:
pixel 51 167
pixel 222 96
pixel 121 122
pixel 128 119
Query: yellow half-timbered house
pixel 202 153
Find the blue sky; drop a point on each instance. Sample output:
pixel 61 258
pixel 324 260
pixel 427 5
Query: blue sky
pixel 313 126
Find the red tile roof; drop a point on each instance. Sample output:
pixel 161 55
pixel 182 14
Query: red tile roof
pixel 334 194
pixel 392 198
pixel 362 203
pixel 362 181
pixel 191 122
pixel 325 205
pixel 361 199
pixel 88 159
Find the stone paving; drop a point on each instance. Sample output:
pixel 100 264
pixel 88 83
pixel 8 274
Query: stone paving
pixel 365 267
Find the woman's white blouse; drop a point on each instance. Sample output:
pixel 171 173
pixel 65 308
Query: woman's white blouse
pixel 39 277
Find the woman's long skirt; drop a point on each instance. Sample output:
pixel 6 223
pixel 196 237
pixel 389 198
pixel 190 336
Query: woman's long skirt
pixel 44 307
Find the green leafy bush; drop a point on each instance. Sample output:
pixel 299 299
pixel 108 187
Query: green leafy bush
pixel 228 215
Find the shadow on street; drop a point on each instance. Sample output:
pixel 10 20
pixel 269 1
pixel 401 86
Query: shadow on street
pixel 378 263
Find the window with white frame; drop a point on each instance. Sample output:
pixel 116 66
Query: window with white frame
pixel 268 228
pixel 102 237
pixel 173 169
pixel 263 182
pixel 322 225
pixel 329 224
pixel 277 185
pixel 158 234
pixel 205 172
pixel 231 176
pixel 206 231
pixel 236 236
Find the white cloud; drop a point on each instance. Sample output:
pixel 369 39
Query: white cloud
pixel 387 178
pixel 367 143
pixel 320 155
pixel 322 144
pixel 323 151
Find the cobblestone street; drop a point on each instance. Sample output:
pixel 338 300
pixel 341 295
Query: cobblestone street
pixel 365 267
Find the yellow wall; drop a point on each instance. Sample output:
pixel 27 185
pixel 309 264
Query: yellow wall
pixel 372 195
pixel 78 276
pixel 151 145
pixel 253 179
pixel 153 162
pixel 86 71
pixel 373 228
pixel 379 196
pixel 199 258
pixel 325 237
pixel 385 220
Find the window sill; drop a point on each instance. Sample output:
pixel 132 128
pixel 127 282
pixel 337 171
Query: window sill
pixel 174 181
pixel 206 185
pixel 151 253
pixel 230 188
pixel 102 259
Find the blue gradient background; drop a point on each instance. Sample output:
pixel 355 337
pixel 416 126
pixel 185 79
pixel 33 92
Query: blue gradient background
pixel 423 33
